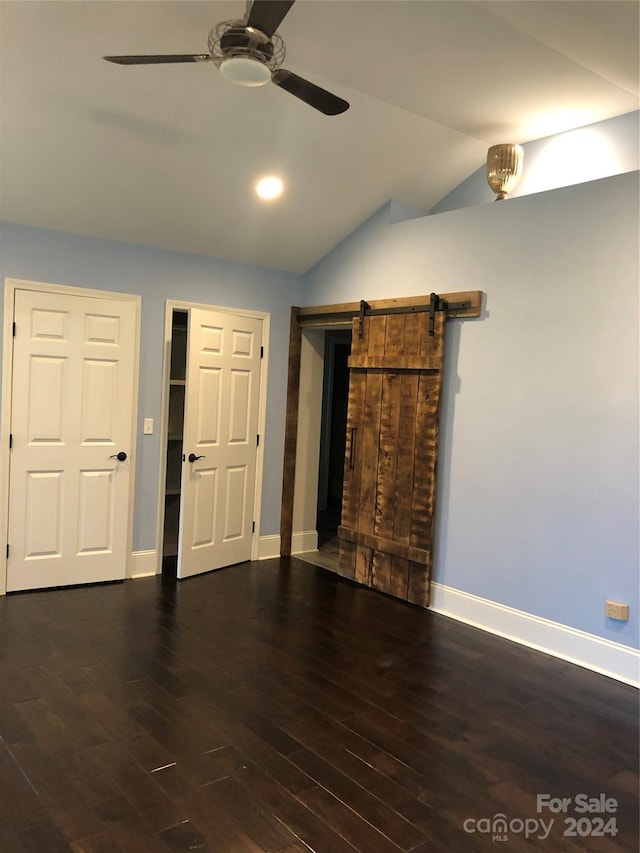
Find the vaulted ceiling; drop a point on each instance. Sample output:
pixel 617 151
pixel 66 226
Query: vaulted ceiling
pixel 167 155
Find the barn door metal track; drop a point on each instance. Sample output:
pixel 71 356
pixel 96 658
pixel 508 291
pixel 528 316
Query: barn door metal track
pixel 436 303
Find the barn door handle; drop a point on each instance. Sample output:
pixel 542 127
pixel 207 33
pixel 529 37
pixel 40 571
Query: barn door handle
pixel 351 448
pixel 192 457
pixel 119 456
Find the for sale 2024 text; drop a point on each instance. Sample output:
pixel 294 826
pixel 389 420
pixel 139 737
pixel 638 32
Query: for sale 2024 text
pixel 593 813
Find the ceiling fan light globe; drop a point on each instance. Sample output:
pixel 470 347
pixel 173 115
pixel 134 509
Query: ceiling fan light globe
pixel 244 71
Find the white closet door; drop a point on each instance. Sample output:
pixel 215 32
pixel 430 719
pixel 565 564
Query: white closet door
pixel 220 441
pixel 72 411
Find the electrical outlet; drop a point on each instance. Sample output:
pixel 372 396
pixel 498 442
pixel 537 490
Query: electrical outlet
pixel 617 610
pixel 148 426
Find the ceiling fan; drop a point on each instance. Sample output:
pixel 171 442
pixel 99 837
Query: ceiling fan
pixel 251 53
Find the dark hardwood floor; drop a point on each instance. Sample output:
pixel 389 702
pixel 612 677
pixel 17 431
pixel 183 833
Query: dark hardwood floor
pixel 277 707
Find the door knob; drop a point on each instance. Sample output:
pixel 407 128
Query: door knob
pixel 192 457
pixel 119 456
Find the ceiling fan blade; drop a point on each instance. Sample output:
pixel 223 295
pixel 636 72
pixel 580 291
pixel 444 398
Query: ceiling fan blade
pixel 267 15
pixel 160 59
pixel 319 99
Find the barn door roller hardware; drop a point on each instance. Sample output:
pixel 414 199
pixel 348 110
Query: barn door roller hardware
pixel 436 303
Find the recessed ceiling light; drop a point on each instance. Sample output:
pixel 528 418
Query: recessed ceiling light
pixel 269 188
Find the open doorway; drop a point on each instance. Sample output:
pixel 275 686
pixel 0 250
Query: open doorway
pixel 321 442
pixel 333 430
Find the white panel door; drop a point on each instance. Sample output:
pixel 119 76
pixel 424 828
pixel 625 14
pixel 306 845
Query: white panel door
pixel 220 441
pixel 71 413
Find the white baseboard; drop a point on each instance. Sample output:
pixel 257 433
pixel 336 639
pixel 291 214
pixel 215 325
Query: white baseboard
pixel 269 547
pixel 305 540
pixel 142 564
pixel 595 653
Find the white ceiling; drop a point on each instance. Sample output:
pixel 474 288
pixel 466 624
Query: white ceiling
pixel 166 155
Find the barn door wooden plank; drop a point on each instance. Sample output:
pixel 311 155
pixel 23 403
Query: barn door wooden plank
pixel 406 458
pixel 383 575
pixel 407 433
pixel 351 484
pixel 366 567
pixel 370 439
pixel 419 584
pixel 427 409
pixel 388 362
pixel 363 557
pixel 381 571
pixel 399 578
pixel 385 546
pixel 349 565
pixel 385 505
pixel 394 336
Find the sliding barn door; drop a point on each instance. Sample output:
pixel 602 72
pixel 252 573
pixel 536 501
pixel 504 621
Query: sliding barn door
pixel 386 536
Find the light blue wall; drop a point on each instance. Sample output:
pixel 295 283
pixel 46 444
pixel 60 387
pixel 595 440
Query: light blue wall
pixel 157 275
pixel 538 480
pixel 538 474
pixel 586 154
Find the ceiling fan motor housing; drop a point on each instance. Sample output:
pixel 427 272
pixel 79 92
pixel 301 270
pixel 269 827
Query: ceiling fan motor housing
pixel 243 56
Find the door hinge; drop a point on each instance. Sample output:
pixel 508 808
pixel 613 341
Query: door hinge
pixel 7 552
pixel 253 527
pixel 257 441
pixel 261 352
pixel 10 440
pixel 14 329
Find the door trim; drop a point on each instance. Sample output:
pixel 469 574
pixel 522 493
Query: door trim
pixel 265 317
pixel 10 287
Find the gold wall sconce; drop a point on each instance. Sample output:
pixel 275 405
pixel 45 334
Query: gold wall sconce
pixel 504 167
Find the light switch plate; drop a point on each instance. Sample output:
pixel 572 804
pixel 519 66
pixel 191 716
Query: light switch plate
pixel 148 426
